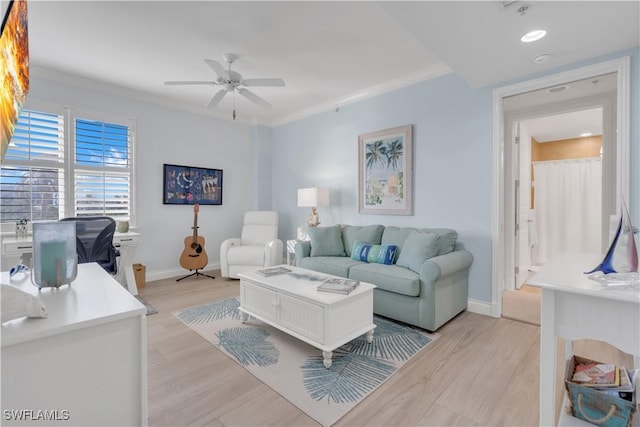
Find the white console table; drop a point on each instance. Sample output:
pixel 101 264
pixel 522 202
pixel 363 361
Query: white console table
pixel 575 307
pixel 16 250
pixel 83 365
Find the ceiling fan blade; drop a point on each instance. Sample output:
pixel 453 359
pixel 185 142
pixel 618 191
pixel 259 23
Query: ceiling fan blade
pixel 189 82
pixel 216 98
pixel 253 97
pixel 263 82
pixel 219 69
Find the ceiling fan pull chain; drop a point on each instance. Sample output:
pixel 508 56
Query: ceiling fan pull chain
pixel 234 104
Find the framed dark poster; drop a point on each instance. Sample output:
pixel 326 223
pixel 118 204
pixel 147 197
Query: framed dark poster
pixel 186 185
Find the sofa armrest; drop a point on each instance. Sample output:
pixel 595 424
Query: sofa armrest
pixel 444 265
pixel 303 250
pixel 273 253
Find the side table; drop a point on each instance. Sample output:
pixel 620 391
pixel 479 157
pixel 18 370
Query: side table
pixel 291 251
pixel 575 307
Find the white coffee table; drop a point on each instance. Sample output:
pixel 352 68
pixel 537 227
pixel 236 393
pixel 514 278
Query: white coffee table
pixel 291 303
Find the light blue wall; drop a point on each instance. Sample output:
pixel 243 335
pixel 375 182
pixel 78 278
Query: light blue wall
pixel 453 143
pixel 261 147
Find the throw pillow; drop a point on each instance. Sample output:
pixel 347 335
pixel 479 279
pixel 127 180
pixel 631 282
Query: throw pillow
pixel 326 241
pixel 366 233
pixel 381 254
pixel 418 248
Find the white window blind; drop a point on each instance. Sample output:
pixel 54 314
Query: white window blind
pixel 32 175
pixel 102 168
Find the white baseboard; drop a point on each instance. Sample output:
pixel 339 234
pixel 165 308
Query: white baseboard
pixel 175 272
pixel 482 307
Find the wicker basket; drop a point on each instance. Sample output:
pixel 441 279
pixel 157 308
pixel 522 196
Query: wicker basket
pixel 595 406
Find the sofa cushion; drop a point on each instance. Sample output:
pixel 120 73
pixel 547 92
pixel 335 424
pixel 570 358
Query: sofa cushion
pixel 388 277
pixel 382 254
pixel 398 235
pixel 418 248
pixel 338 266
pixel 447 239
pixel 326 241
pixel 367 234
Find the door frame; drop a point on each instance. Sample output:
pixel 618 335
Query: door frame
pixel 499 237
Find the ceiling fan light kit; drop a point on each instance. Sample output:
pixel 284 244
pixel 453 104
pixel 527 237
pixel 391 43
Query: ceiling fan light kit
pixel 231 81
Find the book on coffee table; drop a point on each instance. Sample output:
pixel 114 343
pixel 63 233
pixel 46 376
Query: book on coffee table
pixel 273 271
pixel 338 285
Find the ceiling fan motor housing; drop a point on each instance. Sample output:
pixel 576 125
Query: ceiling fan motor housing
pixel 232 82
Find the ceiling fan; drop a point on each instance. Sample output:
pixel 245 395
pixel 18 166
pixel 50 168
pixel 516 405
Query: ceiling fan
pixel 231 82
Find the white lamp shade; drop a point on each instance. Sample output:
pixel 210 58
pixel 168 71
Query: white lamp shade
pixel 313 197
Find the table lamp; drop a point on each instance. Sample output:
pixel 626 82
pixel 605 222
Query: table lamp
pixel 54 253
pixel 312 198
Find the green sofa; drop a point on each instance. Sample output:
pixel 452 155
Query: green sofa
pixel 424 281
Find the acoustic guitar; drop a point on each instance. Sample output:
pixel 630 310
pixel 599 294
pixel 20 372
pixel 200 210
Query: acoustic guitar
pixel 194 256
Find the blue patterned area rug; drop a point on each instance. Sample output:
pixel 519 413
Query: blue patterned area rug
pixel 295 369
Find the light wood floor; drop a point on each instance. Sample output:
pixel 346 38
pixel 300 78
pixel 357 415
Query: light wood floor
pixel 522 304
pixel 482 371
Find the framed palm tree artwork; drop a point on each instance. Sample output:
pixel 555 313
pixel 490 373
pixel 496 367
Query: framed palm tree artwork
pixel 385 172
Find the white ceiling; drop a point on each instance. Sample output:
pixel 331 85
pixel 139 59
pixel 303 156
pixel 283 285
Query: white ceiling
pixel 328 53
pixel 566 125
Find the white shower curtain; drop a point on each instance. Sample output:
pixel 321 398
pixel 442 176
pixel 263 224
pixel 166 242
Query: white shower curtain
pixel 568 207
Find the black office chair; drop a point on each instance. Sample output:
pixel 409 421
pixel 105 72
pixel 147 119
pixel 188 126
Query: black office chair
pixel 94 241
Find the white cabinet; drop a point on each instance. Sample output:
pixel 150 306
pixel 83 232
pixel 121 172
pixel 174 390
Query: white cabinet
pixel 85 364
pixel 293 314
pixel 302 317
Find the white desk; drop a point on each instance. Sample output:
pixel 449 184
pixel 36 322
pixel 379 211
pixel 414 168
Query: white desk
pixel 16 250
pixel 88 357
pixel 575 307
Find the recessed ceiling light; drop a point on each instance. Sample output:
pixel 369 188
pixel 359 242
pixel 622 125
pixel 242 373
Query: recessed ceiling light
pixel 542 58
pixel 584 134
pixel 532 36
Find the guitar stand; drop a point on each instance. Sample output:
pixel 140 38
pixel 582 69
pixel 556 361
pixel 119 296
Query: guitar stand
pixel 197 273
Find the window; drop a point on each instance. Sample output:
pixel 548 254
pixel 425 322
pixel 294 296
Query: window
pixel 50 173
pixel 101 171
pixel 32 175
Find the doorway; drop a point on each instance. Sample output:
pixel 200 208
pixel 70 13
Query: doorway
pixel 560 174
pixel 615 114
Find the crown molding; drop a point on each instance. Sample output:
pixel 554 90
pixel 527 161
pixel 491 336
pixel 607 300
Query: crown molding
pixel 88 83
pixel 429 73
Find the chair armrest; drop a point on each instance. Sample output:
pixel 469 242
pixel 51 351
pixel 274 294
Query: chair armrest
pixel 273 253
pixel 444 265
pixel 224 248
pixel 302 250
pixel 229 243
